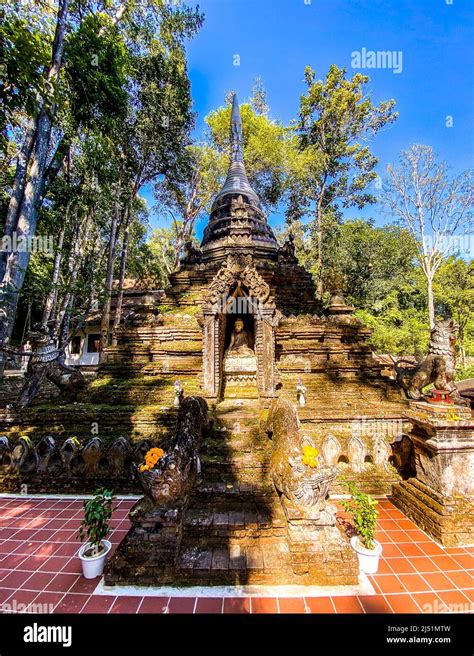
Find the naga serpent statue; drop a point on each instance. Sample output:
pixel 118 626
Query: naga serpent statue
pixel 178 470
pixel 437 367
pixel 45 362
pixel 305 485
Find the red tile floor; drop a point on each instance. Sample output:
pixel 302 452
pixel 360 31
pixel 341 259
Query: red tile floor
pixel 38 565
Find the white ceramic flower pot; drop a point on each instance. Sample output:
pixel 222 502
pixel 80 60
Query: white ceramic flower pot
pixel 93 566
pixel 368 558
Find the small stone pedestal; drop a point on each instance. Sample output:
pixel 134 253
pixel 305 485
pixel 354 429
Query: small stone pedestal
pixel 440 499
pixel 147 555
pixel 319 552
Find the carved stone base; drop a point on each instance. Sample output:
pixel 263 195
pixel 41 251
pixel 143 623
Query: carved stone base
pixel 319 552
pixel 440 499
pixel 450 521
pixel 147 555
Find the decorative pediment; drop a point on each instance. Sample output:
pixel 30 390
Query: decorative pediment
pixel 226 277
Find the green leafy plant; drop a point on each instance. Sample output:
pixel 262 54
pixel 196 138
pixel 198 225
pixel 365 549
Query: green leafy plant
pixel 363 510
pixel 97 514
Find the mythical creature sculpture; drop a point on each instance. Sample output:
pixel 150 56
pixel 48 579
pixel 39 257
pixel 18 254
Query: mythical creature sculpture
pixel 437 367
pixel 177 472
pixel 44 363
pixel 295 475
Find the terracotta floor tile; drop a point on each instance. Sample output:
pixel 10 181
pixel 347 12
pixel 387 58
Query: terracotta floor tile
pixel 402 603
pixel 428 602
pixel 346 604
pixel 13 561
pixel 387 524
pixel 52 564
pixel 236 605
pixel 49 600
pixel 462 579
pixel 466 561
pixel 374 604
pixel 291 605
pixel 401 565
pixel 126 605
pixel 68 549
pixel 264 605
pixel 99 604
pixel 154 605
pixel 38 581
pixel 85 586
pixel 445 563
pixel 469 594
pixel 398 536
pixel 71 603
pixel 320 604
pixel 384 567
pixel 456 601
pixel 390 583
pixel 431 549
pixel 210 605
pixel 419 536
pixel 72 565
pixel 406 524
pixel 15 579
pixel 414 583
pixel 439 581
pixel 410 549
pixel 61 582
pixel 391 551
pixel 19 600
pixel 182 605
pixel 395 513
pixel 5 594
pixel 423 564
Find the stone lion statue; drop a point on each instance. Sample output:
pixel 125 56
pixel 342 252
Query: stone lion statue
pixel 436 368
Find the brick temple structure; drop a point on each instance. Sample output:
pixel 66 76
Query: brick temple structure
pixel 240 327
pixel 241 331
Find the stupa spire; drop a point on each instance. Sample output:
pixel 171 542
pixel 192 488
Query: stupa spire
pixel 237 181
pixel 236 140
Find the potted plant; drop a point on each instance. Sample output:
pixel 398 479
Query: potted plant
pixel 95 525
pixel 363 510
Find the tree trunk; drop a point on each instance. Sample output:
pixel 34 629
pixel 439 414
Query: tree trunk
pixel 53 292
pixel 17 263
pixel 18 187
pixel 431 306
pixel 123 268
pixel 104 324
pixel 319 252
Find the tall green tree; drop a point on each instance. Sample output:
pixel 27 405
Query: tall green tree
pixel 335 167
pixel 434 205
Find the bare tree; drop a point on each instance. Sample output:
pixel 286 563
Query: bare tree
pixel 435 207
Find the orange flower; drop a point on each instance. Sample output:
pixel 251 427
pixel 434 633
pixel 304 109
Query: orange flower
pixel 151 458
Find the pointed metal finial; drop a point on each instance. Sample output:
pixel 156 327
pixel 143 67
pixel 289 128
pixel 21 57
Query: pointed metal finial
pixel 236 150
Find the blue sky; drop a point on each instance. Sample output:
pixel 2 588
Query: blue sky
pixel 276 39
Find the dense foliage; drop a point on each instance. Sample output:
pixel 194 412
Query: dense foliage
pixel 96 107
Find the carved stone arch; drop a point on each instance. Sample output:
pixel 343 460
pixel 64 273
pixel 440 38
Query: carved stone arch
pixel 265 316
pixel 356 453
pixel 331 450
pixel 381 451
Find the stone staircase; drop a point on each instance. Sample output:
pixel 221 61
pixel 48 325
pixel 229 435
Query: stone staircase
pixel 234 530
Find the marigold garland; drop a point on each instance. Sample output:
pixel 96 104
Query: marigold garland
pixel 310 456
pixel 151 458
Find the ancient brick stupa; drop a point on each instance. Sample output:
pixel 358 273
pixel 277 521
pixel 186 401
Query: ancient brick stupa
pixel 238 327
